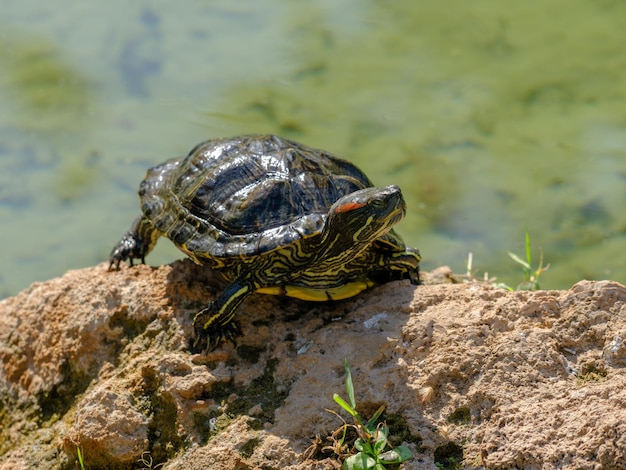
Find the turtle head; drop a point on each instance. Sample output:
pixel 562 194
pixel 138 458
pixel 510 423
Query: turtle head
pixel 367 214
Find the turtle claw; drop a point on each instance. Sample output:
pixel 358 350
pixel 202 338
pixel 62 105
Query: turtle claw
pixel 135 244
pixel 414 277
pixel 210 329
pixel 208 339
pixel 127 249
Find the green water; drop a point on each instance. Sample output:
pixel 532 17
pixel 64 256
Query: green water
pixel 492 116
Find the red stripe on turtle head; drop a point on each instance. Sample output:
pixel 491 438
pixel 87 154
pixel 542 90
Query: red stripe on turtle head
pixel 349 206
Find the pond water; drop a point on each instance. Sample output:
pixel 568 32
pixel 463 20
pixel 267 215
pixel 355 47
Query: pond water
pixel 494 117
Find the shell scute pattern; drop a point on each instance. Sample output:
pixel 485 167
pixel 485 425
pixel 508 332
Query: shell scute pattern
pixel 225 201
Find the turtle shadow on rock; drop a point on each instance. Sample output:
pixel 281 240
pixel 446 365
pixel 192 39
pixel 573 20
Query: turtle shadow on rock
pixel 191 287
pixel 293 352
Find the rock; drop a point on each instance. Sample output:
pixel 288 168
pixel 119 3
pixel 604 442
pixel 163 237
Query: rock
pixel 98 361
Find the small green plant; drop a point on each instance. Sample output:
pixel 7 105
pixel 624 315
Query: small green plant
pixel 374 450
pixel 531 275
pixel 79 455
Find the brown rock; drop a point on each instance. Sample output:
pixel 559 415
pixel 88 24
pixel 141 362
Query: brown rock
pixel 99 360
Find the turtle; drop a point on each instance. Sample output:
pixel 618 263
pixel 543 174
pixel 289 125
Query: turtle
pixel 273 216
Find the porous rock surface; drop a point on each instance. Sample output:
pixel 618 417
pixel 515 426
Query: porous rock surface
pixel 472 376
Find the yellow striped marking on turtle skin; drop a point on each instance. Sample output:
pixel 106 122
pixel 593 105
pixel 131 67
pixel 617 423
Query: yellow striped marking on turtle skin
pixel 149 232
pixel 319 295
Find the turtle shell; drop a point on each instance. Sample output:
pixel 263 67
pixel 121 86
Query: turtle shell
pixel 243 196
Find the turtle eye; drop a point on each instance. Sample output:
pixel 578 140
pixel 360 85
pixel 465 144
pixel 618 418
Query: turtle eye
pixel 377 204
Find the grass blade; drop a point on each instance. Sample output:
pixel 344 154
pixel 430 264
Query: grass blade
pixel 349 385
pixel 345 405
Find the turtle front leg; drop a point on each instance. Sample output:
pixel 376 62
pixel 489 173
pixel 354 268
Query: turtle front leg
pixel 135 244
pixel 215 323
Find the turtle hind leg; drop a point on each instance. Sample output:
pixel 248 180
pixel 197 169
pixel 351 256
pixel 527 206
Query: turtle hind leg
pixel 397 266
pixel 409 262
pixel 215 323
pixel 134 244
